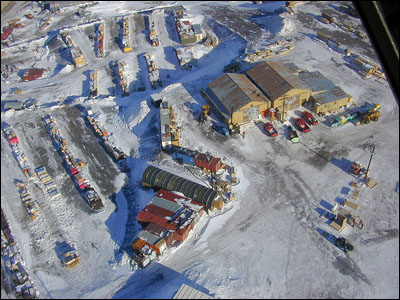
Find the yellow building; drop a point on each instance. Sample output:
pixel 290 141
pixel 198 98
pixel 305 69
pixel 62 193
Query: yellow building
pixel 280 85
pixel 326 96
pixel 235 99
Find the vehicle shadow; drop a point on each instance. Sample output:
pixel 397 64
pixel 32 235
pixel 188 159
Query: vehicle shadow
pixel 328 236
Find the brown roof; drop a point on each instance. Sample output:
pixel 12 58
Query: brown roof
pixel 274 79
pixel 235 91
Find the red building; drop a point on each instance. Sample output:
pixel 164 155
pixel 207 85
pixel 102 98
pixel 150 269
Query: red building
pixel 171 212
pixel 210 163
pixel 32 74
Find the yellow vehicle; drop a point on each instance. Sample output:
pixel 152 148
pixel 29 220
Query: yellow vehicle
pixel 205 111
pixel 71 259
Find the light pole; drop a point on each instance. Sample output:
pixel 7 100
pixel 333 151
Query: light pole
pixel 369 163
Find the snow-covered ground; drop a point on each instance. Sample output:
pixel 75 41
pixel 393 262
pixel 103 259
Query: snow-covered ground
pixel 267 243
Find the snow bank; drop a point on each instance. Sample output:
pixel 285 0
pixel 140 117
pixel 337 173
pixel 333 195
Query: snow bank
pixel 288 27
pixel 135 114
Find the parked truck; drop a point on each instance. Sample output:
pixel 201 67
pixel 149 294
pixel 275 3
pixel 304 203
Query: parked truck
pixel 195 158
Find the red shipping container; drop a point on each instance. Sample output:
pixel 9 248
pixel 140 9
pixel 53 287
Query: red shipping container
pixel 73 171
pixel 82 186
pixel 213 164
pixel 4 36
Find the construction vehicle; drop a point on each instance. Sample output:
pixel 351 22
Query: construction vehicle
pixel 234 129
pixel 373 115
pixel 343 245
pixel 94 199
pixel 71 259
pixel 366 113
pixel 205 111
pixel 67 254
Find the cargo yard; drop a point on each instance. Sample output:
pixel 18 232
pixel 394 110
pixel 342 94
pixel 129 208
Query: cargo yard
pixel 158 149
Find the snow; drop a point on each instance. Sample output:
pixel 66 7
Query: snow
pixel 265 244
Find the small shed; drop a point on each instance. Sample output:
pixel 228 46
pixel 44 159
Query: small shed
pixel 32 74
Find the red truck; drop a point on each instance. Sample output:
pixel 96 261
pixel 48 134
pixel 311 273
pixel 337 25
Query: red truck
pixel 303 127
pixel 309 118
pixel 270 129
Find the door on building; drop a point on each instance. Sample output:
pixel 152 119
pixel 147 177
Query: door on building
pixel 250 114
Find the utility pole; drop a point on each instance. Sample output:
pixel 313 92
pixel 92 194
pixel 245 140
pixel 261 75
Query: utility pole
pixel 283 111
pixel 366 172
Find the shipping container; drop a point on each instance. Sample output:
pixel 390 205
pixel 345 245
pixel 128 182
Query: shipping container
pixel 183 155
pixel 213 164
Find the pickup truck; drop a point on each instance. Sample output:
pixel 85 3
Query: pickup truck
pixel 309 118
pixel 303 127
pixel 270 129
pixel 294 138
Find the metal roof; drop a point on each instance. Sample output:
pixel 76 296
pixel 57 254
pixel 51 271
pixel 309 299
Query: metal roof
pixel 149 237
pixel 332 95
pixel 171 182
pixel 316 81
pixel 329 92
pixel 187 292
pixel 166 204
pixel 235 91
pixel 274 79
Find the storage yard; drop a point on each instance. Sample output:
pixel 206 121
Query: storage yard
pixel 221 149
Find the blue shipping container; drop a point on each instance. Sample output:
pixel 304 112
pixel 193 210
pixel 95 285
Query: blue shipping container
pixel 185 155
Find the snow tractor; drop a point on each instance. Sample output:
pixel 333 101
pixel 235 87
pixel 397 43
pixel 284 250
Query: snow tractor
pixel 356 169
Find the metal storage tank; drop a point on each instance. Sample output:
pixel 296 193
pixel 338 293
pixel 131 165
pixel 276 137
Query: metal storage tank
pixel 156 178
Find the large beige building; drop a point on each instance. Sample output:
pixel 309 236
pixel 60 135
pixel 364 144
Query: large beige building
pixel 280 85
pixel 235 98
pixel 284 87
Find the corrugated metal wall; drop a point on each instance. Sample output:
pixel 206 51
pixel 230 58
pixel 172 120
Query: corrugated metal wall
pixel 152 178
